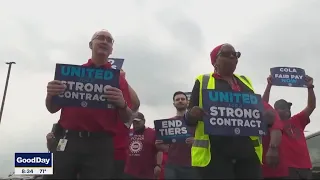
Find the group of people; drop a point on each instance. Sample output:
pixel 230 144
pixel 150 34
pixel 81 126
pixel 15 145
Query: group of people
pixel 99 144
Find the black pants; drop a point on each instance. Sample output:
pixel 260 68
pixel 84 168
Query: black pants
pixel 118 169
pixel 297 173
pixel 87 157
pixel 172 171
pixel 224 167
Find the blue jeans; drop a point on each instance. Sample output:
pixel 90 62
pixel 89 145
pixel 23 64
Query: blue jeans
pixel 172 171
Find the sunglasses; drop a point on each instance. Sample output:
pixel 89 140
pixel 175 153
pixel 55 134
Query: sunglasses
pixel 228 54
pixel 104 38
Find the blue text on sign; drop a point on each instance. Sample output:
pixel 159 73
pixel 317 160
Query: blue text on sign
pixel 232 97
pixel 82 72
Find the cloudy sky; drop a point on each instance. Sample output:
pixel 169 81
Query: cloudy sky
pixel 166 42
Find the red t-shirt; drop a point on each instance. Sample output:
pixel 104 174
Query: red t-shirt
pixel 94 120
pixel 180 153
pixel 142 153
pixel 121 142
pixel 297 154
pixel 281 170
pixel 164 161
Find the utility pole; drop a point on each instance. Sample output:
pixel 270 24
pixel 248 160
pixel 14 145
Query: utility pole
pixel 5 88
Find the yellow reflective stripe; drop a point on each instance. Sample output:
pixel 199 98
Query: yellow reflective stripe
pixel 201 143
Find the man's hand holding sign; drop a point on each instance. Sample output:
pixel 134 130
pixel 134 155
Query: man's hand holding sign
pixel 87 87
pixel 54 88
pixel 115 96
pixel 171 131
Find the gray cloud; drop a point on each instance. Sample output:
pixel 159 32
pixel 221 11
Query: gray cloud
pixel 35 42
pixel 152 69
pixel 288 39
pixel 182 29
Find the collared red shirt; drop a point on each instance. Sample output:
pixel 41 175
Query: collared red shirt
pixel 94 120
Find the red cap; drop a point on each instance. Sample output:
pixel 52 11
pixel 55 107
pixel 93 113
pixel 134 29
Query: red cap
pixel 214 53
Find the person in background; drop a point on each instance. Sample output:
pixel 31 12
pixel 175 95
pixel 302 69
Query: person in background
pixel 178 165
pixel 223 157
pixel 273 166
pixel 297 155
pixel 144 159
pixel 121 139
pixel 50 141
pixel 90 129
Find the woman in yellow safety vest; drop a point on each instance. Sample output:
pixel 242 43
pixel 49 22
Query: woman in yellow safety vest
pixel 223 157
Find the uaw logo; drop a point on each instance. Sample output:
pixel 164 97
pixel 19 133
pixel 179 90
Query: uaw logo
pixel 84 104
pixel 261 132
pixel 110 106
pixel 174 140
pixel 136 146
pixel 237 131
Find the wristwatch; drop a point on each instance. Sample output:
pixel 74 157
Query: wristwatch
pixel 311 87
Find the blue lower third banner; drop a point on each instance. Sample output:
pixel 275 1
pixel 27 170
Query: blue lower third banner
pixel 233 113
pixel 33 163
pixel 171 130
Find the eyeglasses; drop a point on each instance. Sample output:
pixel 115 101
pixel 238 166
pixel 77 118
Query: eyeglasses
pixel 104 38
pixel 229 54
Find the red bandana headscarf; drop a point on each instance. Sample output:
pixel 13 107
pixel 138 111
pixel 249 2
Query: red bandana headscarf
pixel 214 53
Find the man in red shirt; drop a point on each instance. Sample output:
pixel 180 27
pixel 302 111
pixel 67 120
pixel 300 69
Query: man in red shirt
pixel 144 159
pixel 87 133
pixel 178 165
pixel 296 152
pixel 164 161
pixel 273 165
pixel 121 139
